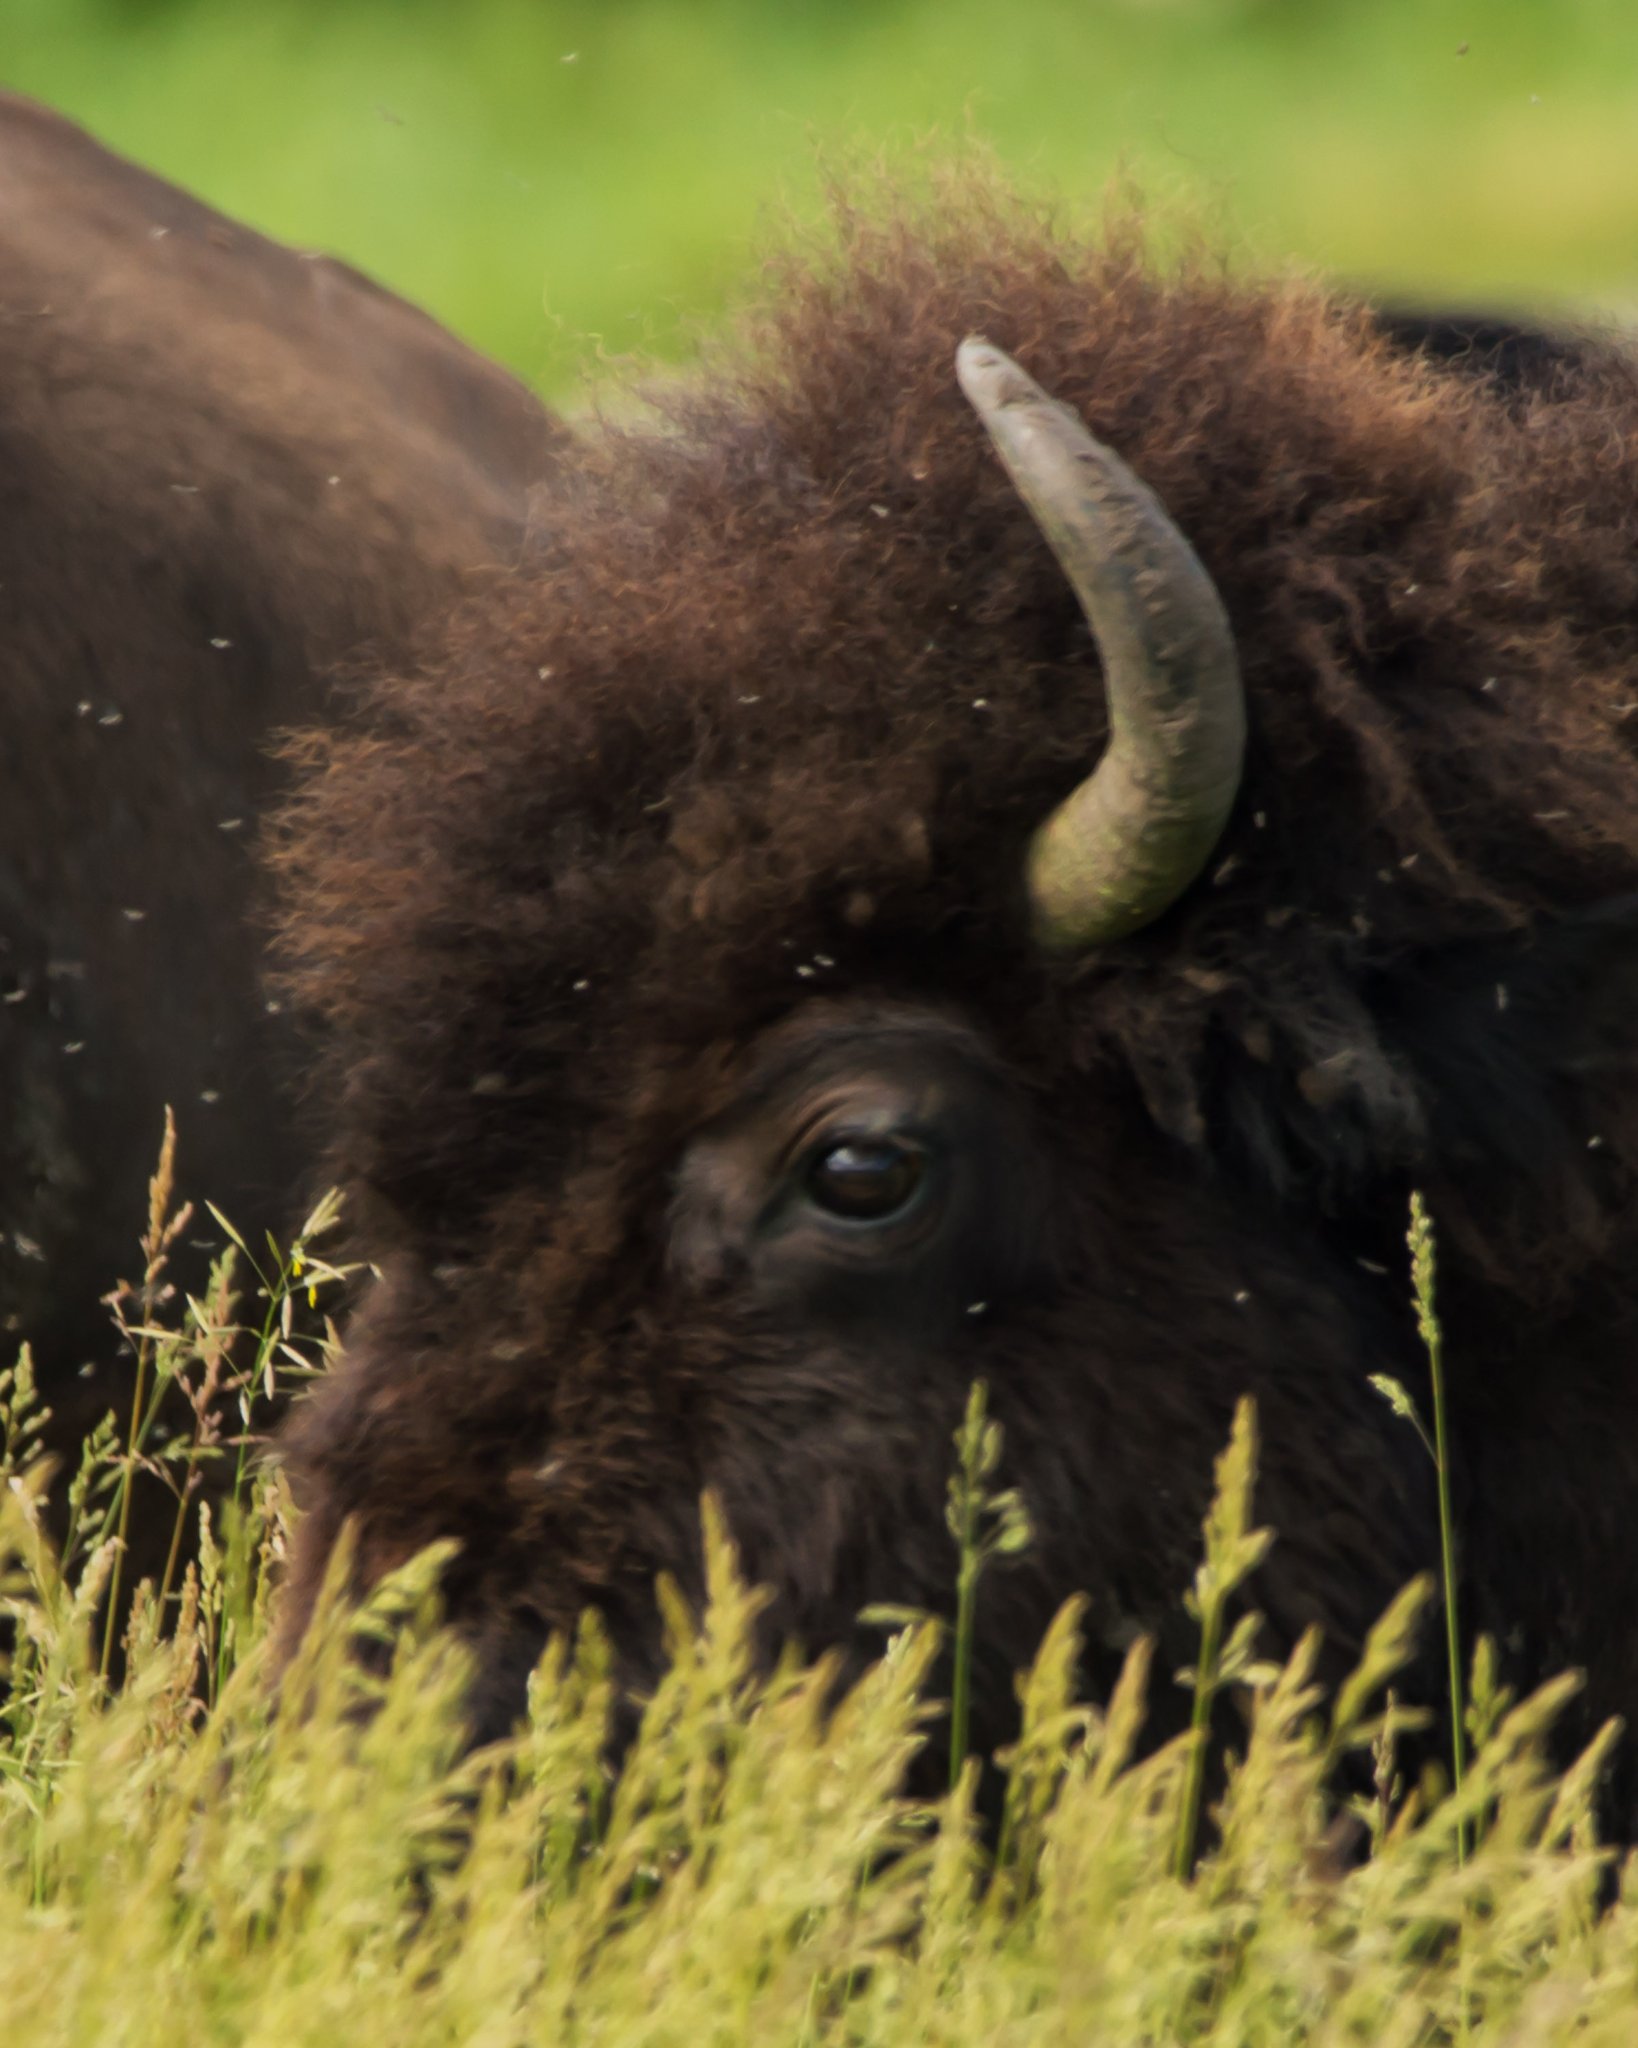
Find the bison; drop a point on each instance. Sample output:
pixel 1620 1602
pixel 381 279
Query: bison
pixel 1016 872
pixel 225 469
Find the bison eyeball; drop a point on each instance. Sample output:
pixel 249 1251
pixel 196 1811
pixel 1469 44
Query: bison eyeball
pixel 866 1180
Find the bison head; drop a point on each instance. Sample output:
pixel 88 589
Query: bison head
pixel 747 1021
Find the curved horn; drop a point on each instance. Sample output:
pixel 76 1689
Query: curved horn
pixel 1127 841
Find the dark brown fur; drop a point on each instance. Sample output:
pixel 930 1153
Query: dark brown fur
pixel 224 467
pixel 755 751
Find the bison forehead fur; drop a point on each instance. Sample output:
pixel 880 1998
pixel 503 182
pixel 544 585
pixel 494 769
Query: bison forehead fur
pixel 658 930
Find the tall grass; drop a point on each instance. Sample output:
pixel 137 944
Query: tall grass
pixel 188 1853
pixel 1459 1706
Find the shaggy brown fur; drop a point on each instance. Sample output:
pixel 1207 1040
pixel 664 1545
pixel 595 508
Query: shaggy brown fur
pixel 740 778
pixel 224 467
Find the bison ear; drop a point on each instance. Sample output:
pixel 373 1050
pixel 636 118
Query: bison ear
pixel 1524 1054
pixel 1492 1070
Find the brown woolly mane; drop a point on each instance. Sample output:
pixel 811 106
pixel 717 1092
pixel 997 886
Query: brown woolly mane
pixel 793 677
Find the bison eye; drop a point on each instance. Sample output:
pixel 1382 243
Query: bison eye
pixel 866 1180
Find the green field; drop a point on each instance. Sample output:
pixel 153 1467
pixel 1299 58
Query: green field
pixel 558 178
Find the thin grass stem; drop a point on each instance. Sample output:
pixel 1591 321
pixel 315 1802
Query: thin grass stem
pixel 1427 1322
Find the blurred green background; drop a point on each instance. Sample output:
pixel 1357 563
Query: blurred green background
pixel 560 177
